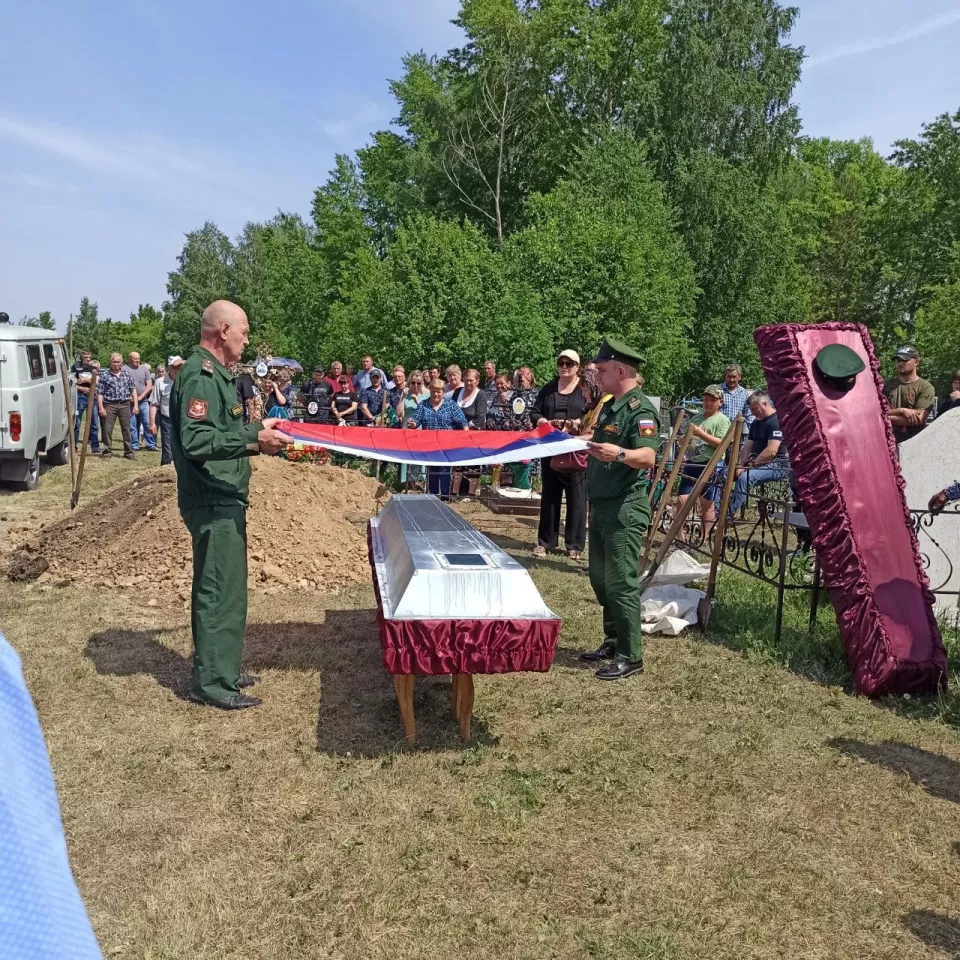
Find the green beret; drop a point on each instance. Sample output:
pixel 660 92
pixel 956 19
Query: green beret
pixel 840 365
pixel 612 349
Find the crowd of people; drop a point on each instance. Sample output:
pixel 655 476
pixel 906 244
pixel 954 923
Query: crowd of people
pixel 484 399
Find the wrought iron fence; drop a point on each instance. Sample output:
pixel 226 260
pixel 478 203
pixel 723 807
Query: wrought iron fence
pixel 769 540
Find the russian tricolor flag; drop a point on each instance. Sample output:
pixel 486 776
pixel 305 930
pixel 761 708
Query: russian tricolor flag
pixel 435 448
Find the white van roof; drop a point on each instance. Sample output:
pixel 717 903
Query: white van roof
pixel 9 332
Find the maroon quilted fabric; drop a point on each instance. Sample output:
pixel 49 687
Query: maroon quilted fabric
pixel 848 481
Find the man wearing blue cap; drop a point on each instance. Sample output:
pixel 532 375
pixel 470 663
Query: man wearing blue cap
pixel 623 448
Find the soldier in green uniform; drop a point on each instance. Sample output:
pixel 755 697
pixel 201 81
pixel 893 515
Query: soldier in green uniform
pixel 211 451
pixel 622 449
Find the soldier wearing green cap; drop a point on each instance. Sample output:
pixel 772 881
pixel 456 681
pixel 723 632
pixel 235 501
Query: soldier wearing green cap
pixel 622 448
pixel 212 447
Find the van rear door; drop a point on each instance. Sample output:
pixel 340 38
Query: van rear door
pixel 58 407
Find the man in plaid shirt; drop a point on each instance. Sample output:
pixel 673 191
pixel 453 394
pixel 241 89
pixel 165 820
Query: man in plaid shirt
pixel 116 398
pixel 735 396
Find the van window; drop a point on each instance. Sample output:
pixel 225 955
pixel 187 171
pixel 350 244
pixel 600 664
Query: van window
pixel 50 359
pixel 33 362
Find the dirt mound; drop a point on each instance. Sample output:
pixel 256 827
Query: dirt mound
pixel 306 527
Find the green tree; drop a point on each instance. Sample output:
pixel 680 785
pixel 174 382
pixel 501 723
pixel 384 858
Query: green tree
pixel 86 329
pixel 440 294
pixel 937 330
pixel 43 321
pixel 203 274
pixel 603 255
pixel 724 86
pixel 741 241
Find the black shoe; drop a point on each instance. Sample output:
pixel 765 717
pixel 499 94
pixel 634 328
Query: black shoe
pixel 247 680
pixel 129 456
pixel 239 701
pixel 619 670
pixel 606 651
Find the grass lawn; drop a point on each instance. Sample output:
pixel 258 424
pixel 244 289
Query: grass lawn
pixel 734 802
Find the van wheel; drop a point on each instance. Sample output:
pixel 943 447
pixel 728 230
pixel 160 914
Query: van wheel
pixel 59 455
pixel 33 475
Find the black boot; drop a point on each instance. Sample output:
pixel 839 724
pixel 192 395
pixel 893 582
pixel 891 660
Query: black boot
pixel 606 651
pixel 619 670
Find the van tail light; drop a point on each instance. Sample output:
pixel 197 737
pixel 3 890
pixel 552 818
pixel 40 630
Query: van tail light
pixel 15 426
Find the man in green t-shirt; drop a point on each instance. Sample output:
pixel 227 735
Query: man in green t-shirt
pixel 708 429
pixel 909 395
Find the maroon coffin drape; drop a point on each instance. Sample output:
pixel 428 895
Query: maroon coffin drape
pixel 848 481
pixel 432 647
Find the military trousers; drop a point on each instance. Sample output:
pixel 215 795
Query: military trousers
pixel 218 612
pixel 617 532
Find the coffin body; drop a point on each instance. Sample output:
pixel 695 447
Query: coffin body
pixel 449 599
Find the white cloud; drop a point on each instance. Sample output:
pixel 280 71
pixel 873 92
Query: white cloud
pixel 861 47
pixel 188 177
pixel 35 182
pixel 350 127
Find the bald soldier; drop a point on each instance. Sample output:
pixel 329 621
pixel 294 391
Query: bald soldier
pixel 623 448
pixel 211 451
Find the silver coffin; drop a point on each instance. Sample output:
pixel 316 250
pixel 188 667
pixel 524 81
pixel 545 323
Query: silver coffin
pixel 433 565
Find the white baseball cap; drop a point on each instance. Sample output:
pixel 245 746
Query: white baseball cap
pixel 571 355
pixel 174 361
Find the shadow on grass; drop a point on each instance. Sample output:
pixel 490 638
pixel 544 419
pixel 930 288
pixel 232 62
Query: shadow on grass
pixel 937 774
pixel 935 930
pixel 358 711
pixel 570 658
pixel 744 620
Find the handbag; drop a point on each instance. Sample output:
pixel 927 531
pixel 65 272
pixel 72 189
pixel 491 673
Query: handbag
pixel 574 462
pixel 569 462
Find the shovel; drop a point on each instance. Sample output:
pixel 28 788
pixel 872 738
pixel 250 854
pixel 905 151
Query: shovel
pixel 75 498
pixel 705 606
pixel 681 518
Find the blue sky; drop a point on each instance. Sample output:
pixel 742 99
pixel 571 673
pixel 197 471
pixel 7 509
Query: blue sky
pixel 125 124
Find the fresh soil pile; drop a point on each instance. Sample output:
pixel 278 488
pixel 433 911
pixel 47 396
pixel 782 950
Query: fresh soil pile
pixel 306 528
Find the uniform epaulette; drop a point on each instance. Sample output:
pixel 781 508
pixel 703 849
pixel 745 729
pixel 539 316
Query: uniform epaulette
pixel 207 367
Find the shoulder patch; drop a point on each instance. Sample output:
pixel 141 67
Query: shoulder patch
pixel 647 428
pixel 207 366
pixel 197 409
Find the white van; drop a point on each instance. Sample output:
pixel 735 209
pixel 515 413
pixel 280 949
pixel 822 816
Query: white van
pixel 33 414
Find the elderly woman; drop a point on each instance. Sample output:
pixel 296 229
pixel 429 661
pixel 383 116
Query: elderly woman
pixel 563 403
pixel 454 387
pixel 473 401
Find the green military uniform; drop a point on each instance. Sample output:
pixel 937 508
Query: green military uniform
pixel 211 450
pixel 620 512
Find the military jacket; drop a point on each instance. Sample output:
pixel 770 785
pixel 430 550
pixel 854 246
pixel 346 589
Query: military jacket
pixel 631 422
pixel 211 443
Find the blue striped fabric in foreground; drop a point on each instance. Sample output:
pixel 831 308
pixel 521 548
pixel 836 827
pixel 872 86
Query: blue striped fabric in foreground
pixel 41 914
